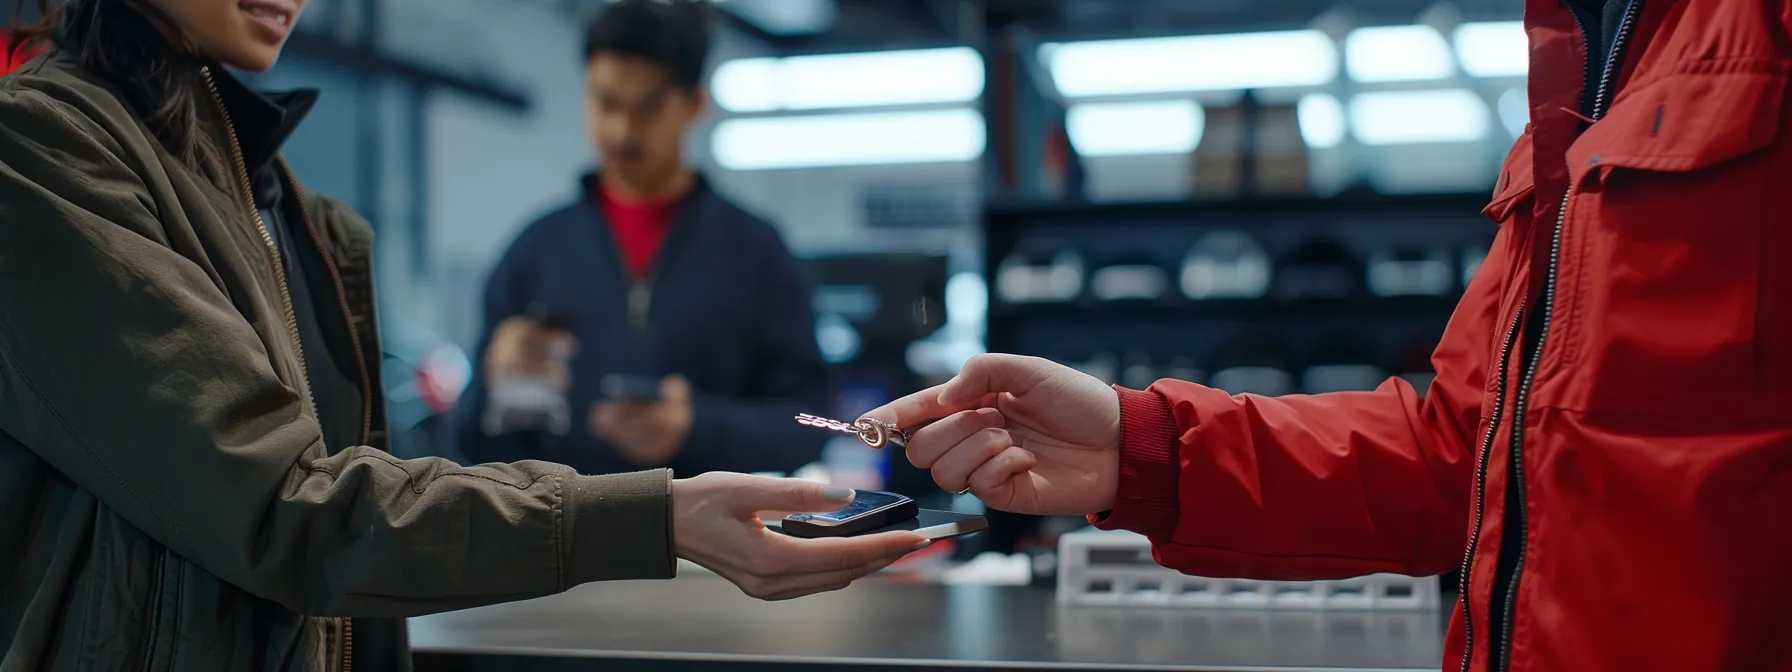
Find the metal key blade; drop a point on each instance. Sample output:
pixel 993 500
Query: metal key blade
pixel 826 423
pixel 872 433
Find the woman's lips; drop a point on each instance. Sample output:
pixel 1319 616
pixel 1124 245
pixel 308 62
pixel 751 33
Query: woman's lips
pixel 272 19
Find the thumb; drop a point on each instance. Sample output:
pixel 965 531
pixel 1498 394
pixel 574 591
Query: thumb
pixel 794 495
pixel 675 388
pixel 986 375
pixel 982 380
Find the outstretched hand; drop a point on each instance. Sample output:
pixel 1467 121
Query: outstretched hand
pixel 716 524
pixel 1024 434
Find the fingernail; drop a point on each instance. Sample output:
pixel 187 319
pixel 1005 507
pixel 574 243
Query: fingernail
pixel 835 493
pixel 923 544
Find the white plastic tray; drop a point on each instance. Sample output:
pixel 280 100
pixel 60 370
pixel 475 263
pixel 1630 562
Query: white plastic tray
pixel 1114 568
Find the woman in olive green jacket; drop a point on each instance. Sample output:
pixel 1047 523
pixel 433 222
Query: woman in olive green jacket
pixel 190 419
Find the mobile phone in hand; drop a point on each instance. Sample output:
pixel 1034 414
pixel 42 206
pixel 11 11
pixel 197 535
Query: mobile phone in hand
pixel 640 389
pixel 869 510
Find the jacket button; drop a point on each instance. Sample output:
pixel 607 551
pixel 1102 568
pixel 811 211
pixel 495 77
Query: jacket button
pixel 1593 160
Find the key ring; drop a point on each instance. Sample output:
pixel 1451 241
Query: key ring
pixel 878 434
pixel 871 432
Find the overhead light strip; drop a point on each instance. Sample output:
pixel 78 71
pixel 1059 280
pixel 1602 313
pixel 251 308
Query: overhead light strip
pixel 1295 58
pixel 1418 117
pixel 1397 54
pixel 1133 129
pixel 833 81
pixel 1493 49
pixel 848 139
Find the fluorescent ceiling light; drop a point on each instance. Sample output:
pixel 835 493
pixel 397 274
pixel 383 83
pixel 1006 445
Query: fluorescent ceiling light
pixel 1515 111
pixel 914 77
pixel 1322 123
pixel 861 139
pixel 1493 49
pixel 1397 54
pixel 1407 117
pixel 1196 63
pixel 1131 129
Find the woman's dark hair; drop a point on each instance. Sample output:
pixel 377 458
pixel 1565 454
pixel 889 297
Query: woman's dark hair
pixel 673 34
pixel 120 42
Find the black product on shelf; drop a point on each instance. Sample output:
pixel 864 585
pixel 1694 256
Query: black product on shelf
pixel 891 299
pixel 1255 364
pixel 1129 281
pixel 1320 268
pixel 1222 295
pixel 1225 264
pixel 1342 363
pixel 1411 272
pixel 1040 271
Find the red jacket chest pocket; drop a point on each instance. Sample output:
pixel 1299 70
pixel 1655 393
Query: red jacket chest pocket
pixel 1666 293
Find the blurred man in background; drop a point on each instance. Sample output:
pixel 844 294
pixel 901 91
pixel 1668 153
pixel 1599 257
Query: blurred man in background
pixel 677 327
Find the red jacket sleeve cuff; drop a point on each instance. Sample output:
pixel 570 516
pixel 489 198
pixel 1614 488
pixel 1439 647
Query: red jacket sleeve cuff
pixel 1147 501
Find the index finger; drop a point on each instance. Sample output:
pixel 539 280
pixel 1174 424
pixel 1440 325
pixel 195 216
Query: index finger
pixel 914 409
pixel 836 553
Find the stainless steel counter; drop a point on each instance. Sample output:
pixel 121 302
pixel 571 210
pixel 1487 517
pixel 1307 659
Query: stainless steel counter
pixel 703 623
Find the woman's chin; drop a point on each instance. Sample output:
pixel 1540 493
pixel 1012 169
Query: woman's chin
pixel 252 58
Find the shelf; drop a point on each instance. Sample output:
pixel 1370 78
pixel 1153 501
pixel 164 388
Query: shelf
pixel 1461 207
pixel 1238 309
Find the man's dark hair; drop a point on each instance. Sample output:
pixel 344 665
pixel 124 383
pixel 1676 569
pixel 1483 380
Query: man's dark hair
pixel 673 34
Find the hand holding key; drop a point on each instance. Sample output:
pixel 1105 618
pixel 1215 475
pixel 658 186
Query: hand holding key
pixel 1024 434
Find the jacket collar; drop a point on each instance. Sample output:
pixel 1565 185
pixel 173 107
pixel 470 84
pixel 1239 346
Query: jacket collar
pixel 263 122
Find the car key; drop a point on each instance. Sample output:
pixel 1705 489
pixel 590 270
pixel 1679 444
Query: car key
pixel 872 432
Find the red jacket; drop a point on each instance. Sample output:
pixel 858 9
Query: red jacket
pixel 1654 434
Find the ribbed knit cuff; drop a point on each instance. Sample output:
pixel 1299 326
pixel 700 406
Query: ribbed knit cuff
pixel 1147 500
pixel 618 527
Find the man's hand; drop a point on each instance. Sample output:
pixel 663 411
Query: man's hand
pixel 522 345
pixel 1024 434
pixel 716 524
pixel 649 434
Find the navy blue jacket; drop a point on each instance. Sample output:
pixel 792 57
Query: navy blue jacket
pixel 729 308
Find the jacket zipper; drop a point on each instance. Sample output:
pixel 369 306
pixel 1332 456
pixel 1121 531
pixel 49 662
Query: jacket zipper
pixel 267 238
pixel 292 320
pixel 640 290
pixel 1493 428
pixel 348 624
pixel 1612 63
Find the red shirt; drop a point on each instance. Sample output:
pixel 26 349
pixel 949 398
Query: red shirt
pixel 639 227
pixel 9 60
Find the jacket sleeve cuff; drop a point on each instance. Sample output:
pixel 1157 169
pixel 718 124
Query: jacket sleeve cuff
pixel 1147 500
pixel 617 527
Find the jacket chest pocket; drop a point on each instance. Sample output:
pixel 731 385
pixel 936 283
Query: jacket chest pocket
pixel 1664 267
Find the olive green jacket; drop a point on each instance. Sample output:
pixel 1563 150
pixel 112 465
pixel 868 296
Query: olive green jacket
pixel 166 500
